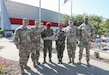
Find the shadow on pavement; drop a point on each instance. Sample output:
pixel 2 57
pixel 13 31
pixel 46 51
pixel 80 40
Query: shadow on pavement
pixel 31 72
pixel 69 69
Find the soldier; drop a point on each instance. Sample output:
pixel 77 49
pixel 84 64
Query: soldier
pixel 47 43
pixel 86 33
pixel 22 41
pixel 71 33
pixel 60 44
pixel 36 36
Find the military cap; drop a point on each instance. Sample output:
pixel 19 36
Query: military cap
pixel 86 16
pixel 70 21
pixel 25 20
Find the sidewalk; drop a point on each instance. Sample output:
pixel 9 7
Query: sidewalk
pixel 9 51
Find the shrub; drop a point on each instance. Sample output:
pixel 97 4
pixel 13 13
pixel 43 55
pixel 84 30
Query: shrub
pixel 96 54
pixel 2 32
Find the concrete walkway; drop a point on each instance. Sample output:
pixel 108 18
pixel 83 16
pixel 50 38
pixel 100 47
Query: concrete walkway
pixel 9 51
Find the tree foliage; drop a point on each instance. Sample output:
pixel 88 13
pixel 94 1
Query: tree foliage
pixel 101 25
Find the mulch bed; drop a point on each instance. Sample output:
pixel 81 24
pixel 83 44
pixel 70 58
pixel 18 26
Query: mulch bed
pixel 12 68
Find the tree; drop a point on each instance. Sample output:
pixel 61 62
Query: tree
pixel 96 21
pixel 105 27
pixel 78 19
pixel 101 26
pixel 65 19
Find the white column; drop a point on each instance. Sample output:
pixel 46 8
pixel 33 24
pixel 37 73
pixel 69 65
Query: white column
pixel 59 15
pixel 71 8
pixel 39 11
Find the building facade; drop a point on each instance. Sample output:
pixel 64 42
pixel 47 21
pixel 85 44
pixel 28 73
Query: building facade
pixel 11 14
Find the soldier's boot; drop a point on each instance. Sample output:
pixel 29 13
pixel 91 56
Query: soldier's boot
pixel 37 62
pixel 88 63
pixel 59 61
pixel 34 64
pixel 73 61
pixel 50 60
pixel 44 60
pixel 69 61
pixel 22 70
pixel 26 67
pixel 79 62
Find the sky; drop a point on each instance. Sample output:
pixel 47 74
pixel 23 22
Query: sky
pixel 97 7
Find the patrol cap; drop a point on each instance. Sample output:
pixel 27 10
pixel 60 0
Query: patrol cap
pixel 70 21
pixel 86 16
pixel 25 20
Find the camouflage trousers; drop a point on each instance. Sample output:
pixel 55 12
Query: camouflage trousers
pixel 49 48
pixel 83 45
pixel 71 47
pixel 35 52
pixel 24 53
pixel 60 50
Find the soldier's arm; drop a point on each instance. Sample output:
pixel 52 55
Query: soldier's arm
pixel 65 32
pixel 32 35
pixel 92 32
pixel 16 37
pixel 43 35
pixel 79 30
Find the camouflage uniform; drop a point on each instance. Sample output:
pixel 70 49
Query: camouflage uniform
pixel 71 33
pixel 47 43
pixel 22 38
pixel 60 45
pixel 36 36
pixel 86 32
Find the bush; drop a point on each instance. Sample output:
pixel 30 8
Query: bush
pixel 1 31
pixel 96 54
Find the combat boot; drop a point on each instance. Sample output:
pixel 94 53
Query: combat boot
pixel 69 61
pixel 22 70
pixel 44 61
pixel 88 63
pixel 73 61
pixel 26 67
pixel 34 64
pixel 50 60
pixel 37 62
pixel 79 62
pixel 59 61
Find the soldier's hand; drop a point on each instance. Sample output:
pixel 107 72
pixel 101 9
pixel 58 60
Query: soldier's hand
pixel 18 47
pixel 39 33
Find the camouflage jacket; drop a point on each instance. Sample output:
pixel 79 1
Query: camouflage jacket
pixel 71 33
pixel 36 33
pixel 47 33
pixel 86 32
pixel 22 35
pixel 61 37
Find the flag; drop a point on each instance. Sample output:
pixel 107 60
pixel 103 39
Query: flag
pixel 65 1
